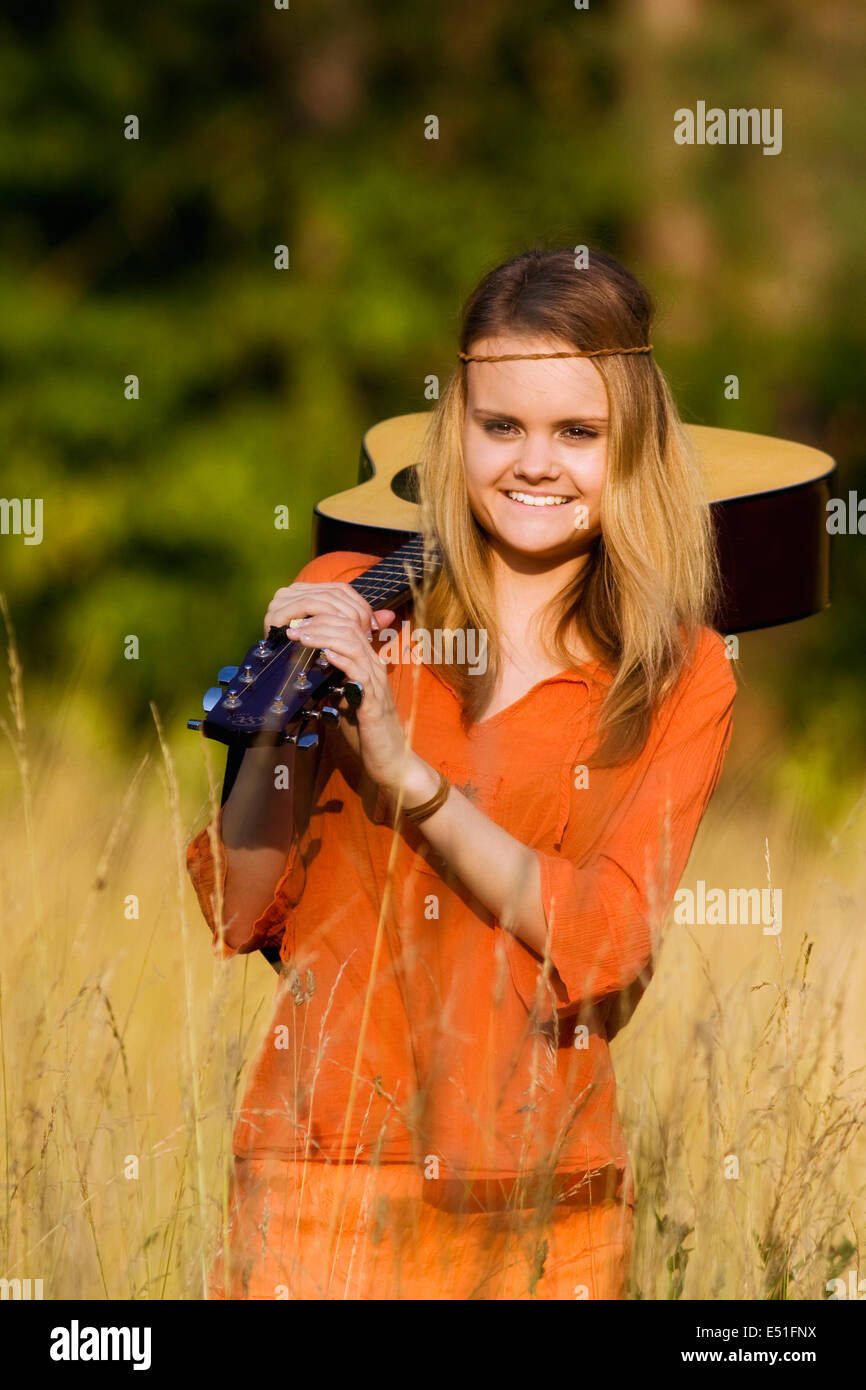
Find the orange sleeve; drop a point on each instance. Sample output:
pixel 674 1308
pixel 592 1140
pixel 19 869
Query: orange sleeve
pixel 208 874
pixel 601 913
pixel 269 927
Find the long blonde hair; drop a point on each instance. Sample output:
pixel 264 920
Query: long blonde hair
pixel 651 579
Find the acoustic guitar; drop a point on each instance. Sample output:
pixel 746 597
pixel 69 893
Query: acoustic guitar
pixel 768 499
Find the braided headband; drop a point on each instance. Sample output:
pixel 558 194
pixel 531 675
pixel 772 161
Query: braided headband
pixel 533 356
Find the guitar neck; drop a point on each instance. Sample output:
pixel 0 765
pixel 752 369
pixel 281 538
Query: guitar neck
pixel 386 584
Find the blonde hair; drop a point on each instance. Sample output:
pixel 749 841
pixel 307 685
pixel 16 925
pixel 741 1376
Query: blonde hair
pixel 651 579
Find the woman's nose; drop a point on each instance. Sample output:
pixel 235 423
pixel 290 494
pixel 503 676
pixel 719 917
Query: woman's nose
pixel 534 461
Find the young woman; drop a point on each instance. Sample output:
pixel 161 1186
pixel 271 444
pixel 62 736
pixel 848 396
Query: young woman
pixel 467 880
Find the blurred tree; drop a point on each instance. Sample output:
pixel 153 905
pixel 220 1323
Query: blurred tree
pixel 305 127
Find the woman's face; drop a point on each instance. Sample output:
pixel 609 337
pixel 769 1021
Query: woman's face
pixel 535 432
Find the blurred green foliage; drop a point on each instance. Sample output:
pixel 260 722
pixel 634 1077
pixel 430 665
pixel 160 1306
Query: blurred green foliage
pixel 306 127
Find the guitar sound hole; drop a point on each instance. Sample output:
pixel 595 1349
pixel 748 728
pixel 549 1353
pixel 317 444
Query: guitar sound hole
pixel 405 484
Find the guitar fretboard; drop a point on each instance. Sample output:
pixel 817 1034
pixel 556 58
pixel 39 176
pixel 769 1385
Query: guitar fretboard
pixel 385 585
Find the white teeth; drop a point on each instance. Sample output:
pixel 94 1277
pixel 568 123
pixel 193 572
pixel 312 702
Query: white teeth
pixel 538 501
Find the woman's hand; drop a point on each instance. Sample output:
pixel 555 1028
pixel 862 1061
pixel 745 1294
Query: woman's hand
pixel 335 618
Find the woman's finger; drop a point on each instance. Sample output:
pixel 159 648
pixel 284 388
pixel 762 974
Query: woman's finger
pixel 306 600
pixel 344 647
pixel 345 598
pixel 315 631
pixel 290 615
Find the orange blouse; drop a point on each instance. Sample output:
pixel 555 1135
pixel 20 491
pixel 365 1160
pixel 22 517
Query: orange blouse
pixel 480 1061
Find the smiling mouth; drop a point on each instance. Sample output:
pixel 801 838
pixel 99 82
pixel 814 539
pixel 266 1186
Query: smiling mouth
pixel 528 499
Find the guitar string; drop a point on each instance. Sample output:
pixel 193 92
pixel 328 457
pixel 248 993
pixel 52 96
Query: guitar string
pixel 379 593
pixel 371 590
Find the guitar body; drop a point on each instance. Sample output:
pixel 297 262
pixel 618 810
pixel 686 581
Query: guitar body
pixel 768 499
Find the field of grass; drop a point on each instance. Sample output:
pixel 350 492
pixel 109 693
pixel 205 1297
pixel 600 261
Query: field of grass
pixel 123 1042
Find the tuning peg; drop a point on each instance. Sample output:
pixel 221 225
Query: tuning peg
pixel 302 740
pixel 227 674
pixel 352 691
pixel 331 717
pixel 212 697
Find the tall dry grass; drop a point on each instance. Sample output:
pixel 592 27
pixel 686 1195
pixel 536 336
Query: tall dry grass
pixel 123 1042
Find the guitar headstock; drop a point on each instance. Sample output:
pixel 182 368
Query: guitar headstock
pixel 269 697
